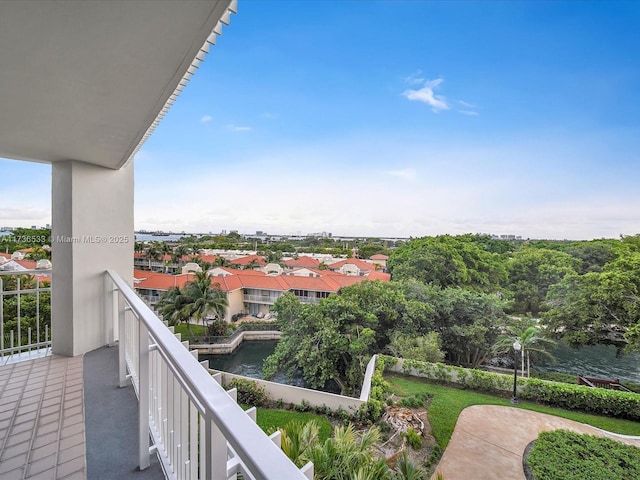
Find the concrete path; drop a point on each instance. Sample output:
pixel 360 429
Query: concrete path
pixel 489 441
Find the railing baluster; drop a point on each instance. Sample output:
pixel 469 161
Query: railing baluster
pixel 18 314
pixel 21 289
pixel 1 317
pixel 143 395
pixel 37 311
pixel 181 406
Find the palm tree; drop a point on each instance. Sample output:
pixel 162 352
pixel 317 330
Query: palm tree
pixel 172 305
pixel 179 253
pixel 165 249
pixel 151 252
pixel 203 298
pixel 252 265
pixel 531 338
pixel 138 247
pixel 221 261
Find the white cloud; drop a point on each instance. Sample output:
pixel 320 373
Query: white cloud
pixel 239 128
pixel 206 118
pixel 426 95
pixel 415 78
pixel 408 174
pixel 469 108
pixel 467 104
pixel 269 116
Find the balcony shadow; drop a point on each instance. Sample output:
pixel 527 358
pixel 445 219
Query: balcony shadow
pixel 111 422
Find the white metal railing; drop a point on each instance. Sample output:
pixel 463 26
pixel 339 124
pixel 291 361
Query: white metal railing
pixel 198 430
pixel 24 322
pixel 263 299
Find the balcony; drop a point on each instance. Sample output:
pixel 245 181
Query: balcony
pixel 169 416
pixel 143 54
pixel 261 299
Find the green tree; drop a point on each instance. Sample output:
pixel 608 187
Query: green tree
pixel 425 348
pixel 178 254
pixel 468 324
pixel 204 298
pixel 172 305
pixel 532 271
pixel 332 340
pixel 532 340
pixel 597 307
pixel 447 261
pixel 152 253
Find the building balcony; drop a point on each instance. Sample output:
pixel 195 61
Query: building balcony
pixel 261 299
pixel 143 408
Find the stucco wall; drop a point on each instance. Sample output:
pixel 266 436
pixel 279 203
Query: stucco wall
pixel 291 394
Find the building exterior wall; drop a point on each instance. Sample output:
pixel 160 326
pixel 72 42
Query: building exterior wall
pixel 92 231
pixel 236 303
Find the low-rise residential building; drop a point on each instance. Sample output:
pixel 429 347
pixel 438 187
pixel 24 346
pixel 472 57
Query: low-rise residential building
pixel 254 292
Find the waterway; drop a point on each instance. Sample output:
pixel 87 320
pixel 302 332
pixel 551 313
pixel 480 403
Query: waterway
pixel 247 360
pixel 593 361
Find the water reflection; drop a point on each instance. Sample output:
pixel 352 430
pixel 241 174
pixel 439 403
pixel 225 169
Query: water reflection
pixel 593 361
pixel 247 360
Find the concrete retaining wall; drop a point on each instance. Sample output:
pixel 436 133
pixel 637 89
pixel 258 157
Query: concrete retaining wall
pixel 291 394
pixel 227 348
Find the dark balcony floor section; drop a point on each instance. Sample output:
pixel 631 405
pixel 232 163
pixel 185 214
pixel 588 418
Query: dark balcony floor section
pixel 111 422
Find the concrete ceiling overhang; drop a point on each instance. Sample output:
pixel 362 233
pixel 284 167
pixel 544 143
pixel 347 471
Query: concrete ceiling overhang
pixel 89 80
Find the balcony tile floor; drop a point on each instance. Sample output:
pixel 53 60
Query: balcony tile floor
pixel 42 429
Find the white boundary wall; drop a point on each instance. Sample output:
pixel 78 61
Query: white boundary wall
pixel 291 394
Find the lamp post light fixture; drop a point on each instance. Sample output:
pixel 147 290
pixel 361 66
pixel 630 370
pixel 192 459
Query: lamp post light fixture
pixel 516 349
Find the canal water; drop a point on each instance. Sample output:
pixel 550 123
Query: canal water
pixel 247 360
pixel 593 361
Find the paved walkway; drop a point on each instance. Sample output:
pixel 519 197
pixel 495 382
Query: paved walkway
pixel 42 420
pixel 489 441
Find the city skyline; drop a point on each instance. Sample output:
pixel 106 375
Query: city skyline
pixel 395 119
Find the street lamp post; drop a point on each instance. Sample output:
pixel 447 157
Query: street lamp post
pixel 516 349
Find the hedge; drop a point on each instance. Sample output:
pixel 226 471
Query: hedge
pixel 600 401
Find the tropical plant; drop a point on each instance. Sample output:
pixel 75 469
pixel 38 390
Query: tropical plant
pixel 179 253
pixel 532 340
pixel 297 439
pixel 203 298
pixel 172 305
pixel 152 252
pixel 348 455
pixel 407 470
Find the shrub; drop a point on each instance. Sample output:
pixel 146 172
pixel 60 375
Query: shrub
pixel 414 439
pixel 249 392
pixel 415 401
pixel 600 401
pixel 577 397
pixel 571 456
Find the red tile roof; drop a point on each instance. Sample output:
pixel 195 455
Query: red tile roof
pixel 378 275
pixel 362 265
pixel 164 281
pixel 379 256
pixel 328 281
pixel 248 259
pixel 302 261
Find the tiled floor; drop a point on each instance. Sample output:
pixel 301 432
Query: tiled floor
pixel 42 432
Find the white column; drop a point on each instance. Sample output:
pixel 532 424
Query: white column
pixel 92 231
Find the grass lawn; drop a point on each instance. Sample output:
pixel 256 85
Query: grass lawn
pixel 447 403
pixel 198 330
pixel 271 419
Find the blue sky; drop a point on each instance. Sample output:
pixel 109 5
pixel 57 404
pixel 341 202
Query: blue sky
pixel 396 118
